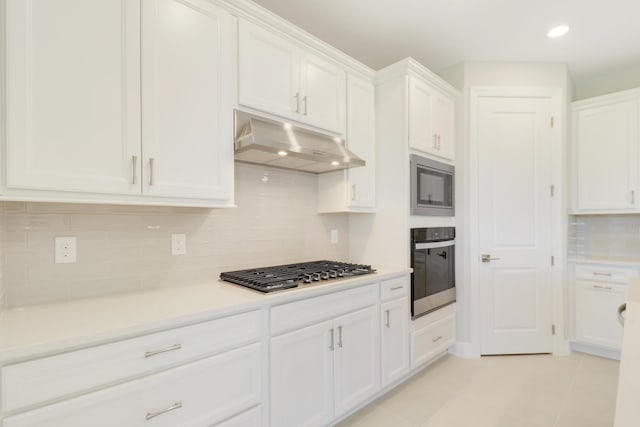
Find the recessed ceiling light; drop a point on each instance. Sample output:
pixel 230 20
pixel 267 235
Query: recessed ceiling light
pixel 334 163
pixel 558 31
pixel 282 153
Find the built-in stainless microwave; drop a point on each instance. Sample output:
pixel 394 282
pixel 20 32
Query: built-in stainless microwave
pixel 432 187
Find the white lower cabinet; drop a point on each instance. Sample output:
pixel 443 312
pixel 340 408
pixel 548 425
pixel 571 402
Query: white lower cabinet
pixel 596 313
pixel 434 337
pixel 201 393
pixel 395 339
pixel 322 371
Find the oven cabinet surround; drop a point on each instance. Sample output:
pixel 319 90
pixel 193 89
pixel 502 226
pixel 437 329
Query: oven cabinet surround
pixel 354 190
pixel 432 334
pixel 105 104
pixel 599 290
pixel 605 163
pixel 171 377
pixel 325 356
pixel 280 76
pixel 431 118
pixel 394 324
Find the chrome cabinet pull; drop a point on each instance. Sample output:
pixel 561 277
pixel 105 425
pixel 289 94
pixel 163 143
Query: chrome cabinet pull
pixel 597 273
pixel 388 324
pixel 633 197
pixel 297 102
pixel 395 288
pixel 621 310
pixel 173 407
pixel 305 104
pixel 602 287
pixel 134 169
pixel 437 339
pixel 353 191
pixel 340 336
pixel 331 347
pixel 438 142
pixel 164 350
pixel 435 141
pixel 151 162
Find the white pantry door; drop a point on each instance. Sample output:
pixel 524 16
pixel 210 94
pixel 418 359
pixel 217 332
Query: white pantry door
pixel 514 223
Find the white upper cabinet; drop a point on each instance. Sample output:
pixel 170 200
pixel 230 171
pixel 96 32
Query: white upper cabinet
pixel 605 153
pixel 120 98
pixel 73 96
pixel 186 115
pixel 431 119
pixel 354 190
pixel 278 77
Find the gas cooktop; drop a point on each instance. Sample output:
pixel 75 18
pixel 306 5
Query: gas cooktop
pixel 269 279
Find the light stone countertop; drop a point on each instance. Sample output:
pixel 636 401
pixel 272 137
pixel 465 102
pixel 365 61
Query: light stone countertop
pixel 610 260
pixel 48 328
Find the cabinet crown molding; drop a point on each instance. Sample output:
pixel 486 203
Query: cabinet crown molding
pixel 410 66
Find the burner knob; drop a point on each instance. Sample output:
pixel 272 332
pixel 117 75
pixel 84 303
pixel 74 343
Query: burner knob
pixel 333 274
pixel 316 277
pixel 324 275
pixel 340 272
pixel 307 278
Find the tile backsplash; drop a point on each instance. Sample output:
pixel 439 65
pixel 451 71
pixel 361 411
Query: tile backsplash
pixel 127 248
pixel 604 236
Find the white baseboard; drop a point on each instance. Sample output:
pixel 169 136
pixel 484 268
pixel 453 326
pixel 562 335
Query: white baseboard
pixel 596 351
pixel 464 349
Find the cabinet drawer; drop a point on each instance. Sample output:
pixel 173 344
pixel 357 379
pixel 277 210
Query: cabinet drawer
pixel 197 394
pixel 435 338
pixel 300 313
pixel 56 376
pixel 605 273
pixel 250 418
pixel 394 288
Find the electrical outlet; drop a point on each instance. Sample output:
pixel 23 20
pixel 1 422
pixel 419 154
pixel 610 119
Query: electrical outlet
pixel 178 244
pixel 334 236
pixel 65 250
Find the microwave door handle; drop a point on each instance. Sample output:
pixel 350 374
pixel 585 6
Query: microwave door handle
pixel 433 245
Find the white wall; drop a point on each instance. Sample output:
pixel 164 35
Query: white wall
pixel 469 75
pixel 127 248
pixel 617 78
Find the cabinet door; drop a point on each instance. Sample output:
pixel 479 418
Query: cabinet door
pixel 198 394
pixel 187 115
pixel 73 95
pixel 269 72
pixel 605 157
pixel 444 126
pixel 357 356
pixel 361 141
pixel 395 339
pixel 421 136
pixel 302 377
pixel 596 313
pixel 324 94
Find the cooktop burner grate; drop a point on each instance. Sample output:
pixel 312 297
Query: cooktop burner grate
pixel 269 279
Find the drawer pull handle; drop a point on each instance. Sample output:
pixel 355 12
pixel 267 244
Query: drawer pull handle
pixel 597 273
pixel 388 324
pixel 164 350
pixel 608 288
pixel 340 336
pixel 621 310
pixel 173 407
pixel 395 288
pixel 437 338
pixel 331 347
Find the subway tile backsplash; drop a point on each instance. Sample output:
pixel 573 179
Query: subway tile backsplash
pixel 127 248
pixel 615 236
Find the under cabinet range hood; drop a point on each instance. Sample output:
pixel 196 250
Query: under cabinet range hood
pixel 272 143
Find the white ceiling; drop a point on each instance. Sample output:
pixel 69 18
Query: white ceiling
pixel 604 36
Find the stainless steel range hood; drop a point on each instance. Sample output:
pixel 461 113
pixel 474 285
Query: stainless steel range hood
pixel 272 143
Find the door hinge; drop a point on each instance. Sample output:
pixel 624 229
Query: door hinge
pixel 552 121
pixel 553 329
pixel 552 190
pixel 553 260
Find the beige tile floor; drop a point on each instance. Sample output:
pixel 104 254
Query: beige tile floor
pixel 501 391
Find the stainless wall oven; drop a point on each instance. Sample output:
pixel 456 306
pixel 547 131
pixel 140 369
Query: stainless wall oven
pixel 432 187
pixel 433 281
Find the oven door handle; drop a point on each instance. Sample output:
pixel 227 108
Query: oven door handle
pixel 434 245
